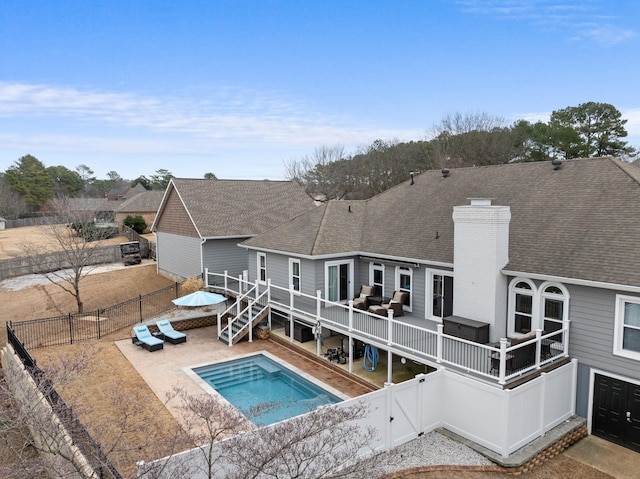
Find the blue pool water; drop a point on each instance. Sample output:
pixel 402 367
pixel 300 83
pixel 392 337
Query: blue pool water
pixel 251 382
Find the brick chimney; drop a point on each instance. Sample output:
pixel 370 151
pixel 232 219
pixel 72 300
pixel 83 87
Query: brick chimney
pixel 480 251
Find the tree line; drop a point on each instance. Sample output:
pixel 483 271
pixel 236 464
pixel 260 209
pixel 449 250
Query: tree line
pixel 28 186
pixel 588 130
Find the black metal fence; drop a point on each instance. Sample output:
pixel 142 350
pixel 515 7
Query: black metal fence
pixel 75 327
pixel 80 437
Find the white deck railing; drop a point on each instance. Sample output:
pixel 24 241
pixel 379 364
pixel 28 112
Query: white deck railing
pixel 493 363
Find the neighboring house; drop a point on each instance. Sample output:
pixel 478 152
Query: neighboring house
pixel 200 222
pixel 517 247
pixel 99 209
pixel 123 191
pixel 143 204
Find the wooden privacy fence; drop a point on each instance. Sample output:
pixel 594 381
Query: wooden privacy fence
pixel 12 267
pixel 145 247
pixel 74 327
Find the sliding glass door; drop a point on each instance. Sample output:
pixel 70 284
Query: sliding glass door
pixel 339 280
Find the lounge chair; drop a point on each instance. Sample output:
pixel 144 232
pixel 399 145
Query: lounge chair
pixel 145 339
pixel 169 334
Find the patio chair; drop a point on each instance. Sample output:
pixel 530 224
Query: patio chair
pixel 524 356
pixel 145 339
pixel 396 304
pixel 169 334
pixel 362 300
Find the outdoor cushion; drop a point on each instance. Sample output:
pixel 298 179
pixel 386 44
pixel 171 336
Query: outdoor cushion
pixel 398 296
pixel 146 339
pixel 366 290
pixel 170 334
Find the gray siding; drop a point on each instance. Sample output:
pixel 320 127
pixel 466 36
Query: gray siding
pixel 278 271
pixel 178 256
pixel 417 286
pixel 221 255
pixel 592 315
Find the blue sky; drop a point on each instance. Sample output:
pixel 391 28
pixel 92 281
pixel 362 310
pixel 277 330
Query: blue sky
pixel 238 88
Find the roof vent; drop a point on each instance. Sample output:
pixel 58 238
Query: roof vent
pixel 445 172
pixel 557 164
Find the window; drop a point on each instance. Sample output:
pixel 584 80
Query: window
pixel 627 327
pixel 554 298
pixel 376 274
pixel 439 295
pixel 294 273
pixel 521 314
pixel 262 267
pixel 532 308
pixel 403 283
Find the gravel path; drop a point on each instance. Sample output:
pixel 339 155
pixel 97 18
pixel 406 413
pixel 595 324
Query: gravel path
pixel 432 449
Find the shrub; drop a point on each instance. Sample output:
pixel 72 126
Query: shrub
pixel 191 285
pixel 136 223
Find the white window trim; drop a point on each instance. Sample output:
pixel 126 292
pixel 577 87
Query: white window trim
pixel 373 267
pixel 535 305
pixel 259 268
pixel 292 261
pixel 328 264
pixel 618 330
pixel 564 297
pixel 428 310
pixel 397 286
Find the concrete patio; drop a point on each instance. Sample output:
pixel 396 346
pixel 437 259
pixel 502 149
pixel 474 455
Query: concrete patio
pixel 169 367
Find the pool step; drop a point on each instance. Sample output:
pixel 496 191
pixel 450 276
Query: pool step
pixel 236 374
pixel 233 374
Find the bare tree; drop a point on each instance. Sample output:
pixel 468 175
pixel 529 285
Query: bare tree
pixel 41 436
pixel 74 246
pixel 12 203
pixel 326 442
pixel 206 420
pixel 322 173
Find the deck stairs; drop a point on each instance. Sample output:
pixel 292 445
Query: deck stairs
pixel 243 315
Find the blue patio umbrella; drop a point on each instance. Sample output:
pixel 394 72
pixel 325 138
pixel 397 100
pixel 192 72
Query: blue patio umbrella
pixel 199 298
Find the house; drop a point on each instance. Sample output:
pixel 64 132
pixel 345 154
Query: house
pixel 144 204
pixel 99 209
pixel 201 221
pixel 542 249
pixel 122 191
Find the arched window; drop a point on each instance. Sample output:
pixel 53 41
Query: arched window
pixel 521 306
pixel 554 307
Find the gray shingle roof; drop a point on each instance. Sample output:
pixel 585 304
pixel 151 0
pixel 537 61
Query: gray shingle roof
pixel 580 221
pixel 222 208
pixel 145 201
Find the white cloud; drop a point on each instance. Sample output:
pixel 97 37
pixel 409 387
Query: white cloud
pixel 126 122
pixel 580 20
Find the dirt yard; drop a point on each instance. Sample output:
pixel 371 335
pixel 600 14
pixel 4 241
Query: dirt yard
pixel 13 239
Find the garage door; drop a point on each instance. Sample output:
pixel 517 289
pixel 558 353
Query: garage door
pixel 616 411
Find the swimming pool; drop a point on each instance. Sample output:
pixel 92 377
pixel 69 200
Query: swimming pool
pixel 249 382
